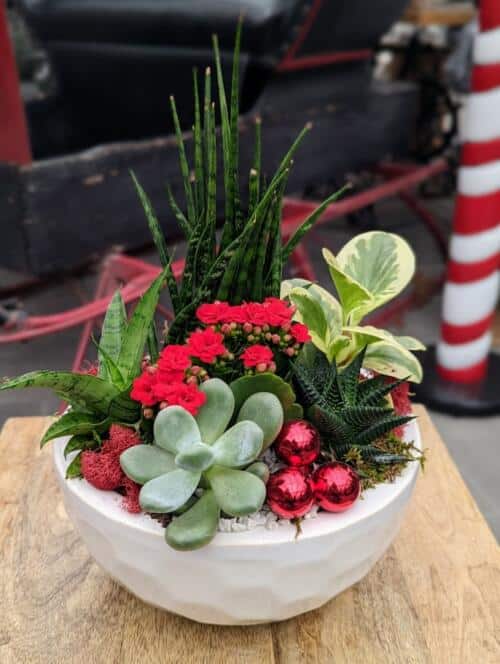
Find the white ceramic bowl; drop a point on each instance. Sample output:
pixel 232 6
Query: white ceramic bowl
pixel 239 578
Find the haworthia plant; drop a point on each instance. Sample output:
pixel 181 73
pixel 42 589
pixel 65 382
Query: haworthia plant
pixel 192 452
pixel 250 240
pixel 98 401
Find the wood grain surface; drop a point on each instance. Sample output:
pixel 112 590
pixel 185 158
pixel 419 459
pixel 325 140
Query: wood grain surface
pixel 434 597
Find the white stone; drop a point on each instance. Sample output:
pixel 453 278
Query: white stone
pixel 247 577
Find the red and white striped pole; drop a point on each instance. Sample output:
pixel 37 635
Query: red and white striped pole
pixel 471 291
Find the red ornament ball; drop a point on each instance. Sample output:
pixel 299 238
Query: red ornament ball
pixel 290 493
pixel 298 443
pixel 336 486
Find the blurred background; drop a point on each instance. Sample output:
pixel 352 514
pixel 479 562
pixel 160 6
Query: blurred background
pixel 84 98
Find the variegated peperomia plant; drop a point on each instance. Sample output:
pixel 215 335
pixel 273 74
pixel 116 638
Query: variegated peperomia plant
pixel 192 454
pixel 369 271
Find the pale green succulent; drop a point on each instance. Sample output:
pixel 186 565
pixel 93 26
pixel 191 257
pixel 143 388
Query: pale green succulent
pixel 201 452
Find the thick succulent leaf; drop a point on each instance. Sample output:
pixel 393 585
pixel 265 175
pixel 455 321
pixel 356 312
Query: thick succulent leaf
pixel 175 429
pixel 330 424
pixel 240 445
pixel 245 386
pixel 109 370
pixel 306 385
pixel 216 413
pixel 168 492
pixel 136 334
pixel 379 428
pixel 196 457
pixel 196 527
pixel 359 417
pixel 260 469
pixel 374 392
pixel 349 378
pixel 71 424
pixel 295 412
pixel 87 392
pixel 265 409
pixel 353 296
pixel 113 330
pixel 237 492
pixel 392 359
pixel 143 463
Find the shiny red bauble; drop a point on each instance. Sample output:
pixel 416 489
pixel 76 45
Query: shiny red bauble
pixel 336 486
pixel 298 443
pixel 290 493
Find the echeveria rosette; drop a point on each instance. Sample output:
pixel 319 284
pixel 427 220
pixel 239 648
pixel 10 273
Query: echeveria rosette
pixel 189 452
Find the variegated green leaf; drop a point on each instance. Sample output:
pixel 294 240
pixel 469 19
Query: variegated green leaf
pixel 410 343
pixel 353 296
pixel 392 359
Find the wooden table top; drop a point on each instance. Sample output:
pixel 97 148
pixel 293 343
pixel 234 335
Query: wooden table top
pixel 454 14
pixel 434 597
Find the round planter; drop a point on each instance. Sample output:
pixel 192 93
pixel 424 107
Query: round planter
pixel 239 578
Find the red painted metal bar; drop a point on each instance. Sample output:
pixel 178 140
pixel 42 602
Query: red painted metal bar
pixel 323 60
pixel 14 139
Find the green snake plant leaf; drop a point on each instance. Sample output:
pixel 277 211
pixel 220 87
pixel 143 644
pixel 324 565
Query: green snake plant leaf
pixel 113 330
pixel 87 392
pixel 175 429
pixel 196 527
pixel 237 492
pixel 196 457
pixel 382 264
pixel 124 409
pixel 143 463
pixel 134 341
pixel 239 446
pixel 266 411
pixel 216 413
pixel 392 359
pixel 73 423
pixel 168 492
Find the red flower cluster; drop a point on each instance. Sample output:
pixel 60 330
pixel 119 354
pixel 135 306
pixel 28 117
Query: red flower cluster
pixel 206 345
pixel 258 356
pixel 273 312
pixel 102 468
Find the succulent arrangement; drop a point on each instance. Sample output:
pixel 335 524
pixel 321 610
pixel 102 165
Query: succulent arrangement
pixel 264 395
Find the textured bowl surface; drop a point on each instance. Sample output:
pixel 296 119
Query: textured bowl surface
pixel 239 578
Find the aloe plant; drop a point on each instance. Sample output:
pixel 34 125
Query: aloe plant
pixel 251 235
pixel 201 452
pixel 98 401
pixel 367 273
pixel 348 412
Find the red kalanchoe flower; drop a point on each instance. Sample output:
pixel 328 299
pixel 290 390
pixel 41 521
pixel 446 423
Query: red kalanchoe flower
pixel 101 469
pixel 277 312
pixel 142 388
pixel 173 362
pixel 236 314
pixel 120 439
pixel 211 314
pixel 130 501
pixel 300 333
pixel 180 394
pixel 257 354
pixel 255 313
pixel 206 345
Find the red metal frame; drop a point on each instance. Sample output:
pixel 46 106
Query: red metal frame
pixel 135 275
pixel 14 139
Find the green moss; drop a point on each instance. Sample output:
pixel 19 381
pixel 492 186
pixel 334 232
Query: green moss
pixel 373 473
